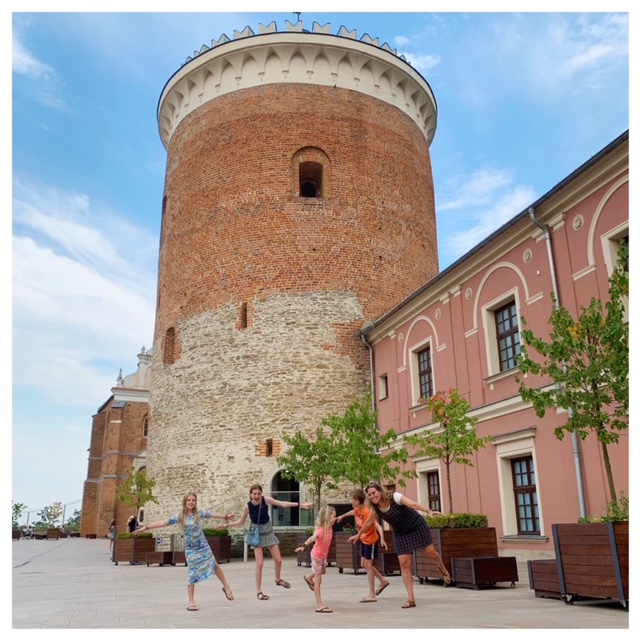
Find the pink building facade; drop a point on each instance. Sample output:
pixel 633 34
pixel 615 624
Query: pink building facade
pixel 448 335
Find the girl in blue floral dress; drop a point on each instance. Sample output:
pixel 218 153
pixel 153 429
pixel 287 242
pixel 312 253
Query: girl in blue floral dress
pixel 200 559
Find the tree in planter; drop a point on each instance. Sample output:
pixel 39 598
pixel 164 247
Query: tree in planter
pixel 17 509
pixel 73 523
pixel 457 440
pixel 588 360
pixel 51 514
pixel 136 490
pixel 358 443
pixel 311 461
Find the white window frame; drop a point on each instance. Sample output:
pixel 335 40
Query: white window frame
pixel 424 466
pixel 509 446
pixel 414 370
pixel 490 335
pixel 383 387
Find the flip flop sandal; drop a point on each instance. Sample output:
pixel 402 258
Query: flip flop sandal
pixel 192 608
pixel 381 588
pixel 283 583
pixel 227 594
pixel 262 596
pixel 325 610
pixel 309 583
pixel 409 604
pixel 368 600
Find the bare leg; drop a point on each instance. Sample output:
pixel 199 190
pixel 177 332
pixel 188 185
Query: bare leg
pixel 406 570
pixel 227 589
pixel 191 592
pixel 259 552
pixel 277 559
pixel 368 566
pixel 434 556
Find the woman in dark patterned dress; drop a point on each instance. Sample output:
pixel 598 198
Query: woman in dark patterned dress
pixel 257 510
pixel 410 532
pixel 200 559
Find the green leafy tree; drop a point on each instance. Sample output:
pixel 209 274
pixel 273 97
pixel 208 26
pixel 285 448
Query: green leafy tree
pixel 17 509
pixel 359 444
pixel 456 441
pixel 136 490
pixel 310 460
pixel 51 514
pixel 588 360
pixel 73 523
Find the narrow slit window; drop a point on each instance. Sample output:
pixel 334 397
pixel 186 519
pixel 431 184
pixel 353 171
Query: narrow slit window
pixel 310 180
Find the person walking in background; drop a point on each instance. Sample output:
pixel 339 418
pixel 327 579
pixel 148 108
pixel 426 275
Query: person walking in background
pixel 132 524
pixel 368 543
pixel 321 540
pixel 258 511
pixel 410 532
pixel 200 559
pixel 113 531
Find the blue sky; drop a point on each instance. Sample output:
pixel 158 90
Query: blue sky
pixel 523 100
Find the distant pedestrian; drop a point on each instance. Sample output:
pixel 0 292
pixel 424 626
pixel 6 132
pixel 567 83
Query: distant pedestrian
pixel 113 530
pixel 410 533
pixel 321 540
pixel 258 511
pixel 132 523
pixel 200 559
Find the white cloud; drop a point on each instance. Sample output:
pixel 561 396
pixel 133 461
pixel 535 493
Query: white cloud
pixel 25 63
pixel 82 305
pixel 423 62
pixel 475 189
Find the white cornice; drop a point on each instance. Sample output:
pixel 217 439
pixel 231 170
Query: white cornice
pixel 307 58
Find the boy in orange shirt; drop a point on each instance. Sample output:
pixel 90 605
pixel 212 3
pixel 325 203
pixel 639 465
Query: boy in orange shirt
pixel 368 543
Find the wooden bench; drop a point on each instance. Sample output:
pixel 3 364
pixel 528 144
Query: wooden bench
pixel 475 573
pixel 543 578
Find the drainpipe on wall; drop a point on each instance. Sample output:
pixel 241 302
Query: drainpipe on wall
pixel 554 283
pixel 371 380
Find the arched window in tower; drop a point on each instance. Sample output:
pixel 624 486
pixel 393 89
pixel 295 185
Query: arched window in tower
pixel 145 426
pixel 310 174
pixel 169 346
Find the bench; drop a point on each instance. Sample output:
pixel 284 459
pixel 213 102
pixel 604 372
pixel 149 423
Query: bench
pixel 475 573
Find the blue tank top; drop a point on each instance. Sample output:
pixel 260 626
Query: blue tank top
pixel 263 508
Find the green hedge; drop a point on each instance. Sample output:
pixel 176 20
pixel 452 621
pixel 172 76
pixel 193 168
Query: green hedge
pixel 216 532
pixel 125 536
pixel 458 521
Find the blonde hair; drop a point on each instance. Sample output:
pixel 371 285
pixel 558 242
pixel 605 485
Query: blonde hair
pixel 186 512
pixel 324 517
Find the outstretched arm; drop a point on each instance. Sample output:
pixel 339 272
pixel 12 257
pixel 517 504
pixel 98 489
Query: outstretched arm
pixel 371 520
pixel 308 542
pixel 151 525
pixel 414 505
pixel 220 516
pixel 241 521
pixel 345 515
pixel 285 503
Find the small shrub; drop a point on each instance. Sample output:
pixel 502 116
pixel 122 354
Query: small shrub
pixel 617 511
pixel 215 532
pixel 126 536
pixel 458 521
pixel 309 531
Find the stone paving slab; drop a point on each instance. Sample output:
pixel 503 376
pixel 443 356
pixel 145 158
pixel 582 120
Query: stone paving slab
pixel 72 584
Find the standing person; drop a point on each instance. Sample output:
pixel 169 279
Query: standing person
pixel 112 535
pixel 200 558
pixel 322 538
pixel 258 507
pixel 132 523
pixel 368 542
pixel 410 532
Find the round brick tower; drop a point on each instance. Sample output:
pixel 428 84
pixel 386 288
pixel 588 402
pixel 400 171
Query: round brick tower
pixel 298 205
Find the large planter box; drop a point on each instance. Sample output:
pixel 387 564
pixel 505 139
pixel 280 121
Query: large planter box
pixel 53 534
pixel 221 547
pixel 455 543
pixel 16 534
pixel 304 557
pixel 477 573
pixel 543 578
pixel 132 550
pixel 593 560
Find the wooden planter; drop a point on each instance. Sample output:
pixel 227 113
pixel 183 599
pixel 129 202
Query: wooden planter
pixel 478 573
pixel 348 555
pixel 16 534
pixel 543 578
pixel 221 547
pixel 53 534
pixel 593 560
pixel 455 543
pixel 304 557
pixel 132 550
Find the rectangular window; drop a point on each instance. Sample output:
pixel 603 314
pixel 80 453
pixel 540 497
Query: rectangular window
pixel 507 335
pixel 526 495
pixel 383 388
pixel 425 374
pixel 433 484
